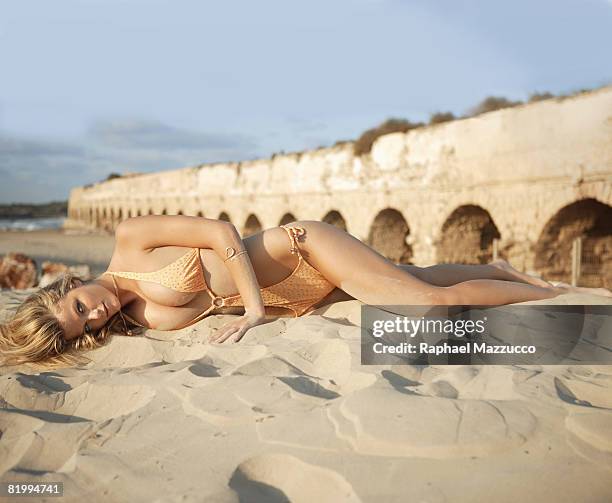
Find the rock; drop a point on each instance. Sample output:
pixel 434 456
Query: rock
pixel 53 270
pixel 17 271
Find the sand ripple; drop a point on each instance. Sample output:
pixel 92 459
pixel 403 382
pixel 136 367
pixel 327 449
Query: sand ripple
pixel 279 478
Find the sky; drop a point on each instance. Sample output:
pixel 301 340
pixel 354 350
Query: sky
pixel 92 87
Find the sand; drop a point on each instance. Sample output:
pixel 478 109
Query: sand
pixel 289 413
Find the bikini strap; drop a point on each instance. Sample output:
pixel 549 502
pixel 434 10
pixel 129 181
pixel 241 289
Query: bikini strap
pixel 294 233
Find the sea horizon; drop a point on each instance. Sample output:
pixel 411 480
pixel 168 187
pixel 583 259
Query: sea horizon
pixel 31 224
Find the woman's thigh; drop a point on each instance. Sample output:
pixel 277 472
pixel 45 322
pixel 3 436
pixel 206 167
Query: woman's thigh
pixel 357 269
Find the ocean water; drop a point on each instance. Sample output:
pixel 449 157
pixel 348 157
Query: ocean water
pixel 30 224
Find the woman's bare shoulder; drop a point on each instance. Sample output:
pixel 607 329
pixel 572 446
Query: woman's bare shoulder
pixel 124 258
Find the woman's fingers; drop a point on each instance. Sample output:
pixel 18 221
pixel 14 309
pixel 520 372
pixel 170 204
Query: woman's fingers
pixel 220 337
pixel 221 333
pixel 225 337
pixel 234 336
pixel 233 331
pixel 237 336
pixel 226 332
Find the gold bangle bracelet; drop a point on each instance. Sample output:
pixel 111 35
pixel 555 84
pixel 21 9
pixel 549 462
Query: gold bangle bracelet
pixel 231 253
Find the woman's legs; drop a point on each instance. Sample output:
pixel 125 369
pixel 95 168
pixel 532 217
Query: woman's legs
pixel 450 274
pixel 371 278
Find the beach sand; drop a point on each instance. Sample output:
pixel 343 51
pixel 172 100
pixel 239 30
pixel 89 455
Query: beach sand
pixel 289 413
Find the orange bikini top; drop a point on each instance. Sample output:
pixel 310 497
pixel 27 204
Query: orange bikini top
pixel 183 275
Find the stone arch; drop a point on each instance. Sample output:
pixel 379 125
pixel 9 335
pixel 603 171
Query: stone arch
pixel 286 219
pixel 120 215
pixel 252 225
pixel 180 212
pixel 334 218
pixel 114 218
pixel 388 234
pixel 200 214
pixel 224 216
pixel 164 212
pixel 467 236
pixel 106 218
pixel 592 221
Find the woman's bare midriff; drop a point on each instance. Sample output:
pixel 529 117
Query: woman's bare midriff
pixel 164 309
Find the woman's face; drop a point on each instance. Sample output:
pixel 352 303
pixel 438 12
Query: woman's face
pixel 86 308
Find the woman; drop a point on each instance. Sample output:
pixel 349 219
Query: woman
pixel 168 272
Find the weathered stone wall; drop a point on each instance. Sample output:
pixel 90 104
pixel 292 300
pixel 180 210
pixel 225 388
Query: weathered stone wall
pixel 441 193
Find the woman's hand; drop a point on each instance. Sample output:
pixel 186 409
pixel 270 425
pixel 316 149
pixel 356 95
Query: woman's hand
pixel 235 330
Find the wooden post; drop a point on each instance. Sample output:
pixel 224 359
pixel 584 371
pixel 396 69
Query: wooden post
pixel 495 248
pixel 576 260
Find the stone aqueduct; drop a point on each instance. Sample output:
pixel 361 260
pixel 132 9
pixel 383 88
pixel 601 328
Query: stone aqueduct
pixel 527 180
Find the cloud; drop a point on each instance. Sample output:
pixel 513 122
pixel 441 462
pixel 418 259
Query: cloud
pixel 145 134
pixel 299 125
pixel 12 147
pixel 38 170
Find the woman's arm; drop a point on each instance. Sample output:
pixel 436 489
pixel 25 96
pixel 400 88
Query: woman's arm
pixel 153 231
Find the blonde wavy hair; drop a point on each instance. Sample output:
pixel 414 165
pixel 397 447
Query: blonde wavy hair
pixel 35 336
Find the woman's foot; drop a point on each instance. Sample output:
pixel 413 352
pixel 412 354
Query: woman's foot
pixel 504 265
pixel 604 292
